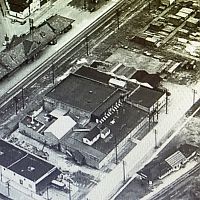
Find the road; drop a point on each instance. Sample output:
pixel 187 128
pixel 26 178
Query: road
pixel 173 189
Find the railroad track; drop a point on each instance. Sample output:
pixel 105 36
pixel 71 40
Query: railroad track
pixel 63 54
pixel 165 191
pixel 60 54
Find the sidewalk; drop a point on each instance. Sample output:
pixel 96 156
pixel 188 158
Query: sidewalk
pixel 82 20
pixel 180 102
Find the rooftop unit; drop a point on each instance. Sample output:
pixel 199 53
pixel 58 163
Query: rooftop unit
pixel 118 83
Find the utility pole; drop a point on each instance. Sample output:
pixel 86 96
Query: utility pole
pixel 149 5
pixel 166 102
pixel 8 185
pixel 194 95
pixel 70 197
pixel 53 74
pixel 15 104
pixel 116 153
pixel 84 5
pixel 157 111
pixel 31 24
pixel 87 45
pixel 117 14
pixel 124 171
pixel 23 103
pixel 156 144
pixel 149 121
pixel 47 192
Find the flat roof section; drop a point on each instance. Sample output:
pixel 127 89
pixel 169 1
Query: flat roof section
pixel 108 103
pixel 145 96
pixel 58 23
pixel 93 74
pixel 32 123
pixel 124 122
pixel 9 154
pixel 81 93
pixel 61 126
pixel 93 133
pixel 31 167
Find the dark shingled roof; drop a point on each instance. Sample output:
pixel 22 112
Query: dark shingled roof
pixel 13 57
pixel 80 92
pixel 42 35
pixel 3 71
pixel 187 149
pixel 25 47
pixel 31 167
pixel 154 170
pixel 159 166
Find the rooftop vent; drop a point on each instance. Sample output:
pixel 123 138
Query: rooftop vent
pixel 43 34
pixel 30 168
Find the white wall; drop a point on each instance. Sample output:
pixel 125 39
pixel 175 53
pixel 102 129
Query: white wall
pixel 15 180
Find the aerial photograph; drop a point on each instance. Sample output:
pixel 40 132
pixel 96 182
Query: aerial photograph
pixel 99 99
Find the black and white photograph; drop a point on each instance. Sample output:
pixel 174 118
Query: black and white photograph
pixel 99 99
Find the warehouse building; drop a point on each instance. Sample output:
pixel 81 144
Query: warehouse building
pixel 98 143
pixel 24 170
pixel 95 99
pixel 95 115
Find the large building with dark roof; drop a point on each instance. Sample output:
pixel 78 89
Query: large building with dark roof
pixel 122 109
pixel 25 170
pixel 98 150
pixel 81 94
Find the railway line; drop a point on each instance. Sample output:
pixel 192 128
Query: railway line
pixel 61 53
pixel 170 191
pixel 75 45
